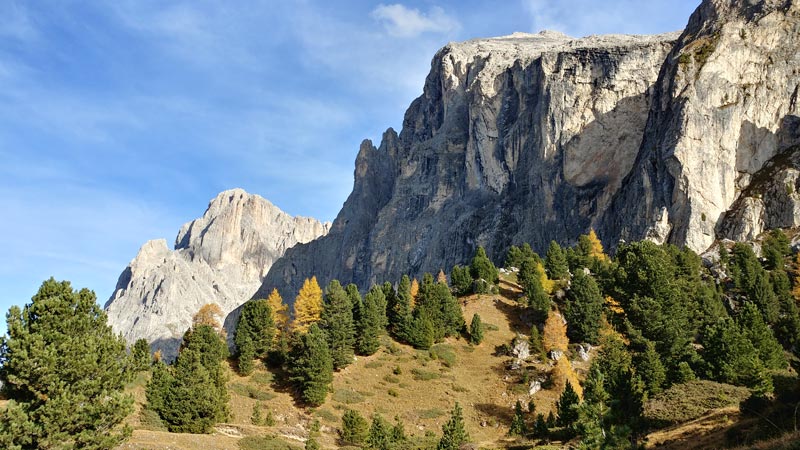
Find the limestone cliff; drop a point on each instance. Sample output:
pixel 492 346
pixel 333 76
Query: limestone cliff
pixel 540 137
pixel 220 258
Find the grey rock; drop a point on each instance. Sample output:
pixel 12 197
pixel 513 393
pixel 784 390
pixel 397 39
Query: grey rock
pixel 555 355
pixel 534 387
pixel 219 258
pixel 532 138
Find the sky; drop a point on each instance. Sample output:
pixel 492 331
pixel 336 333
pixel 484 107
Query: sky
pixel 120 120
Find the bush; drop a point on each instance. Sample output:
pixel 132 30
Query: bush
pixel 347 396
pixel 688 401
pixel 424 375
pixel 444 353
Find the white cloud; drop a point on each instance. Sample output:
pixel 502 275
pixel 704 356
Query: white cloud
pixel 400 21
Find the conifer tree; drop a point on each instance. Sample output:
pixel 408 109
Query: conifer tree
pixel 476 330
pixel 555 334
pixel 567 407
pixel 255 333
pixel 594 412
pixel 441 277
pixel 513 257
pixel 257 417
pixel 371 322
pixel 280 313
pixel 649 367
pixel 531 282
pixel 540 428
pixel 355 428
pixel 420 332
pixel 400 317
pixel 399 438
pixel 584 309
pixel 535 342
pixel 527 252
pixel 355 300
pixel 141 354
pixel 518 426
pixel 775 248
pixel 380 434
pixel 337 321
pixel 453 432
pixel 312 444
pixel 461 280
pixel 307 305
pixel 64 372
pixel 481 268
pixel 760 335
pixel 732 358
pixel 311 366
pixel 208 314
pixel 556 262
pixel 414 291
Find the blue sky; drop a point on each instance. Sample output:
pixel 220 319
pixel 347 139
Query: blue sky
pixel 120 120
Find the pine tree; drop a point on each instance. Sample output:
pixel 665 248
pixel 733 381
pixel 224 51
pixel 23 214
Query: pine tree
pixel 540 428
pixel 312 444
pixel 337 321
pixel 280 313
pixel 531 282
pixel 257 417
pixel 535 342
pixel 371 322
pixel 556 262
pixel 355 300
pixel 307 305
pixel 584 309
pixel 420 333
pixel 141 354
pixel 518 426
pixel 64 372
pixel 476 330
pixel 649 367
pixel 311 366
pixel 461 280
pixel 513 257
pixel 732 358
pixel 775 248
pixel 399 438
pixel 254 334
pixel 355 428
pixel 763 295
pixel 594 412
pixel 567 407
pixel 481 268
pixel 453 432
pixel 760 335
pixel 380 434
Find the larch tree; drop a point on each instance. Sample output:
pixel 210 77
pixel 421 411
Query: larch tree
pixel 280 313
pixel 307 305
pixel 414 290
pixel 64 371
pixel 208 314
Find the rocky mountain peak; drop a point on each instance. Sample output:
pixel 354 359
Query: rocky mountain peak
pixel 220 258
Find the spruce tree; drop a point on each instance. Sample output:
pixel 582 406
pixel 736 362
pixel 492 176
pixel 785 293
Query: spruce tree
pixel 453 432
pixel 355 428
pixel 64 372
pixel 594 412
pixel 337 321
pixel 584 309
pixel 760 335
pixel 371 322
pixel 775 248
pixel 555 262
pixel 141 354
pixel 540 428
pixel 355 300
pixel 476 330
pixel 311 366
pixel 513 257
pixel 420 333
pixel 254 334
pixel 307 305
pixel 649 367
pixel 481 268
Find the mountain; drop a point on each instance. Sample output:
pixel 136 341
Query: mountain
pixel 539 137
pixel 219 258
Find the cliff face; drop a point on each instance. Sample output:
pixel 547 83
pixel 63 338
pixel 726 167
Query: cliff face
pixel 724 106
pixel 519 138
pixel 219 258
pixel 540 137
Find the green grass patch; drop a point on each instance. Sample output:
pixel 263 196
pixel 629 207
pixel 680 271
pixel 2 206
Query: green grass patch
pixel 424 375
pixel 431 413
pixel 459 388
pixel 391 379
pixel 444 353
pixel 250 392
pixel 265 443
pixel 347 396
pixel 394 393
pixel 262 378
pixel 373 365
pixel 140 380
pixel 688 401
pixel 490 327
pixel 327 415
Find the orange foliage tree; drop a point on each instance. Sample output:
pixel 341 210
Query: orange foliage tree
pixel 207 315
pixel 307 305
pixel 554 336
pixel 280 312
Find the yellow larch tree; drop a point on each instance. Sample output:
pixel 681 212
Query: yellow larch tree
pixel 207 315
pixel 307 305
pixel 563 372
pixel 554 336
pixel 596 246
pixel 547 284
pixel 414 292
pixel 441 277
pixel 280 312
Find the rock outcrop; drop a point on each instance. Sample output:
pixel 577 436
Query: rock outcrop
pixel 219 258
pixel 532 138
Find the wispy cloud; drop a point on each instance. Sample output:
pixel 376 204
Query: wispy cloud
pixel 401 21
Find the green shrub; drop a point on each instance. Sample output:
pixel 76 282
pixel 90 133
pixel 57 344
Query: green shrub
pixel 688 401
pixel 444 353
pixel 251 392
pixel 265 443
pixel 424 375
pixel 347 396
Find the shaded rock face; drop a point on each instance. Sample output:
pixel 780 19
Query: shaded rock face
pixel 523 138
pixel 219 258
pixel 532 138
